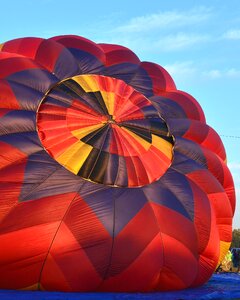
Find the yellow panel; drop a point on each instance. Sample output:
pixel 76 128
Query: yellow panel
pixel 164 146
pixel 224 247
pixel 1 46
pixel 87 82
pixel 74 157
pixel 109 101
pixel 141 141
pixel 82 132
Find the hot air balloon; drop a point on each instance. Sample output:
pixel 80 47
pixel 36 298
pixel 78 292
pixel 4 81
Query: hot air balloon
pixel 110 178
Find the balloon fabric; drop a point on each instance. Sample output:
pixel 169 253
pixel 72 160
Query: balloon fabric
pixel 110 178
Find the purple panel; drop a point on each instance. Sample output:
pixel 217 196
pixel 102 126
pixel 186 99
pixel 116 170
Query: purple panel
pixel 87 62
pixel 27 142
pixel 17 121
pixel 27 97
pixel 45 177
pixel 124 71
pixel 128 202
pixel 167 108
pixel 40 80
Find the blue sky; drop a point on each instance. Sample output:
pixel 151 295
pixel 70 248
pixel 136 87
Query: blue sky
pixel 198 42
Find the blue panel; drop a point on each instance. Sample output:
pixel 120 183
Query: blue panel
pixel 123 71
pixel 45 177
pixel 59 99
pixel 27 142
pixel 173 191
pixel 37 79
pixel 121 177
pixel 128 202
pixel 27 97
pixel 66 65
pixel 162 195
pixel 110 203
pixel 142 82
pixel 112 169
pixel 179 127
pixel 167 108
pixel 87 62
pixel 18 121
pixel 184 164
pixel 39 166
pixel 150 112
pixel 191 150
pixel 101 200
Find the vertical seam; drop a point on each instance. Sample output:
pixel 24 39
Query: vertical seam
pixel 55 235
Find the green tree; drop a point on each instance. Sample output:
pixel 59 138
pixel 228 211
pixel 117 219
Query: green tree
pixel 235 238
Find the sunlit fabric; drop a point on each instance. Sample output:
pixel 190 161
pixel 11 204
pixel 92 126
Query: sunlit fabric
pixel 110 178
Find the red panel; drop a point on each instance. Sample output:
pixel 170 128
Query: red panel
pixel 11 46
pixel 8 99
pixel 116 54
pixel 55 277
pixel 132 175
pixel 127 143
pixel 36 212
pixel 197 131
pixel 90 234
pixel 202 216
pixel 224 214
pixel 142 275
pixel 52 142
pixel 132 242
pixel 220 170
pixel 206 181
pixel 180 260
pixel 9 155
pixel 68 268
pixel 115 143
pixel 169 280
pixel 214 164
pixel 161 80
pixel 160 157
pixel 12 65
pixel 48 53
pixel 139 170
pixel 22 254
pixel 177 226
pixel 11 176
pixel 209 258
pixel 81 43
pixel 4 111
pixel 152 159
pixel 213 142
pixel 188 103
pixel 23 46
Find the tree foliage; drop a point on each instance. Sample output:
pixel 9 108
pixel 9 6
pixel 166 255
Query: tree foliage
pixel 235 238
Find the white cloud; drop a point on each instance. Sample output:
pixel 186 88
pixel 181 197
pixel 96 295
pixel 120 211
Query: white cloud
pixel 233 34
pixel 180 41
pixel 234 166
pixel 164 43
pixel 181 69
pixel 166 19
pixel 233 73
pixel 215 74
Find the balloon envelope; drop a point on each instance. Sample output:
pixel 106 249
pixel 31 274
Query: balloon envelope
pixel 110 178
